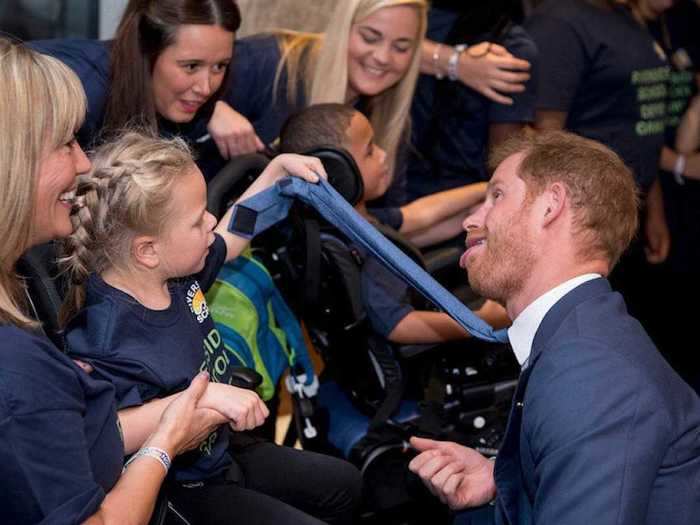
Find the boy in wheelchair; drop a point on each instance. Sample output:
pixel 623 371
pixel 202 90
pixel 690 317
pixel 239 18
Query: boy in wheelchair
pixel 375 399
pixel 426 221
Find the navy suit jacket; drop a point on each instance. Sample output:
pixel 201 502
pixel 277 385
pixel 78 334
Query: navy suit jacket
pixel 602 431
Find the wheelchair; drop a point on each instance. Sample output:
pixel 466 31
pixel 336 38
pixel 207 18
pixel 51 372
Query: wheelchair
pixel 373 394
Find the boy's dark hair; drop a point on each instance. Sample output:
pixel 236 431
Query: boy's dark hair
pixel 317 125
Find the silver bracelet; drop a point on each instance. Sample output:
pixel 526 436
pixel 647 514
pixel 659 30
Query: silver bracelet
pixel 453 62
pixel 156 453
pixel 436 61
pixel 679 169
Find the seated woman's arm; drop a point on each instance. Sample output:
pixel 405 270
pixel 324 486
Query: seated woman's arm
pixel 61 448
pixel 182 426
pixel 242 409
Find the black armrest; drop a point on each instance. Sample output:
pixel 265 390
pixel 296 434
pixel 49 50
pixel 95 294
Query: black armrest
pixel 243 377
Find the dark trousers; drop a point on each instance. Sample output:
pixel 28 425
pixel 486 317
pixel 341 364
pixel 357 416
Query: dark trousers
pixel 479 516
pixel 272 485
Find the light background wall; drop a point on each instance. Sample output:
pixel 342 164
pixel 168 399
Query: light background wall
pixel 302 15
pixel 258 15
pixel 110 13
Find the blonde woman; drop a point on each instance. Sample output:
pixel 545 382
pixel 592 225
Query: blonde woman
pixel 62 444
pixel 369 57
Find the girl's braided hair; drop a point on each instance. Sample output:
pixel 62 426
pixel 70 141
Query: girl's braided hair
pixel 127 192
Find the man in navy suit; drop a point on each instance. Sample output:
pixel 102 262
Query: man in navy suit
pixel 602 431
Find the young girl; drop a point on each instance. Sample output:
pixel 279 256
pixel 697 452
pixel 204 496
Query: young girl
pixel 143 253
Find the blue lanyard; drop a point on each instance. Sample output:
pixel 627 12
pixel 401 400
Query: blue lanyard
pixel 267 208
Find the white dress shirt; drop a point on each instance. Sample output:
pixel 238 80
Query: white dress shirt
pixel 522 332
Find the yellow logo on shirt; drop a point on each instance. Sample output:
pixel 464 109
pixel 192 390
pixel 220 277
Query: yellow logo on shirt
pixel 197 302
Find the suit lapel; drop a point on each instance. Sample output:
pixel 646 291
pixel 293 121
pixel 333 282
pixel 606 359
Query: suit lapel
pixel 513 503
pixel 561 309
pixel 507 471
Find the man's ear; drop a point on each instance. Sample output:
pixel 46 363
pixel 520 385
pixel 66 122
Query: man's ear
pixel 554 200
pixel 145 252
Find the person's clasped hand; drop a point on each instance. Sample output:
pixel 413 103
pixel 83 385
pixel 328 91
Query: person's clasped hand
pixel 184 424
pixel 243 409
pixel 493 71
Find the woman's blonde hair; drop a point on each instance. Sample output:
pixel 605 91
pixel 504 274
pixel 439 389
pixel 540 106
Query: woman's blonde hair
pixel 319 63
pixel 42 105
pixel 128 192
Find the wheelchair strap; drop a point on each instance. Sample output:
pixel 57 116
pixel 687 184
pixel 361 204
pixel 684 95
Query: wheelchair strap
pixel 312 266
pixel 380 350
pixel 268 207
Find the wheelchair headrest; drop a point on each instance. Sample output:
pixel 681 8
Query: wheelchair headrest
pixel 343 173
pixel 239 173
pixel 232 181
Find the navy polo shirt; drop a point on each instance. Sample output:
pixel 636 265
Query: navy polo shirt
pixel 61 448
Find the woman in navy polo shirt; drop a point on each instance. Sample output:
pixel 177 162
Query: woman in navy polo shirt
pixel 163 71
pixel 61 443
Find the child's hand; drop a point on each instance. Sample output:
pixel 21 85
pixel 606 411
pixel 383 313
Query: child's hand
pixel 244 408
pixel 307 168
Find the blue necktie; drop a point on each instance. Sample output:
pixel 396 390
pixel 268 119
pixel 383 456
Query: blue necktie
pixel 267 208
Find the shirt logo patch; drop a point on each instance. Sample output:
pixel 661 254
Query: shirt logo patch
pixel 197 302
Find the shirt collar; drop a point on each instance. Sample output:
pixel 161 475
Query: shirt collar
pixel 522 331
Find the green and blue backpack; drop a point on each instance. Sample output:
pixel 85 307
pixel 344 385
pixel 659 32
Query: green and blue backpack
pixel 256 325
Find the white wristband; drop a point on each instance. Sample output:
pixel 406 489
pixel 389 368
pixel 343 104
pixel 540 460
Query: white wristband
pixel 679 169
pixel 156 453
pixel 453 62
